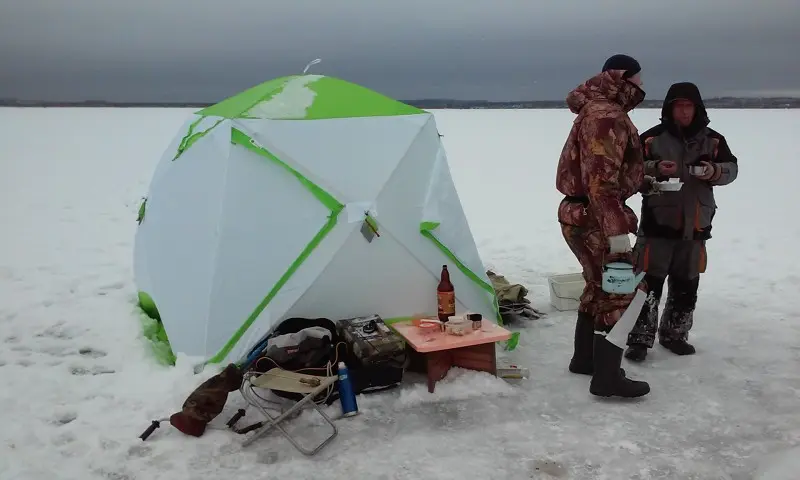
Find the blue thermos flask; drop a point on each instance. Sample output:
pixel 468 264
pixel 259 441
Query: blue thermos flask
pixel 346 395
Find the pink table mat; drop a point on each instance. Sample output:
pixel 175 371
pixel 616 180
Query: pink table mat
pixel 436 341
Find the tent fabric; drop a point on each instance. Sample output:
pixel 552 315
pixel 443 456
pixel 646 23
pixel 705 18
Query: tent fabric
pixel 308 97
pixel 253 217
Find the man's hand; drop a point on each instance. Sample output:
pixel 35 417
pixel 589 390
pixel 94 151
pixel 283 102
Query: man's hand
pixel 710 171
pixel 667 167
pixel 649 186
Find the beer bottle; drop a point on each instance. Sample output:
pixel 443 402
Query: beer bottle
pixel 446 296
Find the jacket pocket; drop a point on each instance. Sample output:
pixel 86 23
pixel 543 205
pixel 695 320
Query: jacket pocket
pixel 663 210
pixel 705 209
pixel 669 216
pixel 572 213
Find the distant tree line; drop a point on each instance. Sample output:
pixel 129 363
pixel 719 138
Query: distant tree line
pixel 432 103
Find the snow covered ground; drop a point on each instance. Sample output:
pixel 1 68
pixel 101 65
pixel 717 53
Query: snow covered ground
pixel 79 386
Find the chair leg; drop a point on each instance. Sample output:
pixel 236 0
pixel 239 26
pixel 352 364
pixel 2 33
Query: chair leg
pixel 322 444
pixel 274 422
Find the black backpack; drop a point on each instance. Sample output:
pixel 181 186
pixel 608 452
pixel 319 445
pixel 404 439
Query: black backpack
pixel 322 358
pixel 312 356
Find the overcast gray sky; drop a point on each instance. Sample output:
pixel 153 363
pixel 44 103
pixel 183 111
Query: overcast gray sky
pixel 205 50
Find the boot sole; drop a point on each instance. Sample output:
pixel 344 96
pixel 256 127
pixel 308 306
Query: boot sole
pixel 590 372
pixel 637 359
pixel 680 353
pixel 581 371
pixel 607 394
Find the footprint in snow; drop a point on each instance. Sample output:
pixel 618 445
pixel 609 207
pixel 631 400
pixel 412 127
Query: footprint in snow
pixel 63 439
pixel 114 474
pixel 55 331
pixel 140 451
pixel 22 350
pixel 60 331
pixel 96 370
pixel 110 287
pixel 65 418
pixel 267 458
pixel 91 352
pixel 56 351
pixel 109 444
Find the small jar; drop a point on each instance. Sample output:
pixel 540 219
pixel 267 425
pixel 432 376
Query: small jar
pixel 476 319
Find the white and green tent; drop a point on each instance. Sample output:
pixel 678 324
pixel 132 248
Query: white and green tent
pixel 257 212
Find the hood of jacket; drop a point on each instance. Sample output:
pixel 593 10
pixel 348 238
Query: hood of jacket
pixel 608 87
pixel 687 91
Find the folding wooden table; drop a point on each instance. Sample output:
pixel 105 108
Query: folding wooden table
pixel 474 350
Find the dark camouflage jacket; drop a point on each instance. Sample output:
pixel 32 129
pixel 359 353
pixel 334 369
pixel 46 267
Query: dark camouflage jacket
pixel 601 164
pixel 687 213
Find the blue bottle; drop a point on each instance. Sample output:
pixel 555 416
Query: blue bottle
pixel 346 395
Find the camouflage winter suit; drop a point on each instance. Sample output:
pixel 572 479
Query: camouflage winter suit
pixel 600 167
pixel 676 225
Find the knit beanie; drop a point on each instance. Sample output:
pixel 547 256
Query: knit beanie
pixel 623 62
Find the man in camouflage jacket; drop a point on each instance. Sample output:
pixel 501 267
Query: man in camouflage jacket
pixel 676 225
pixel 600 167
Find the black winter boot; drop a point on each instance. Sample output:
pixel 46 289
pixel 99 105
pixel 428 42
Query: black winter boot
pixel 641 338
pixel 678 347
pixel 608 379
pixel 582 359
pixel 679 316
pixel 636 352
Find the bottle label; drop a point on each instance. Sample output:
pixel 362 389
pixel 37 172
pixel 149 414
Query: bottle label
pixel 447 303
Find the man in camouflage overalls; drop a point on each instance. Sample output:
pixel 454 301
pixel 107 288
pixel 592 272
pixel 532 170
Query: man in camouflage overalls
pixel 600 167
pixel 675 226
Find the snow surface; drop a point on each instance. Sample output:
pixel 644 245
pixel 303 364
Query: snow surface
pixel 79 384
pixel 293 101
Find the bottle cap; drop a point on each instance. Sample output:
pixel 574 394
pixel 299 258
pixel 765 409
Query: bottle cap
pixel 342 365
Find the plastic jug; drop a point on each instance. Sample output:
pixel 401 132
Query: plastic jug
pixel 618 277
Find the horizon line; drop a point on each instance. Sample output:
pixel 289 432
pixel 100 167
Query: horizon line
pixel 5 100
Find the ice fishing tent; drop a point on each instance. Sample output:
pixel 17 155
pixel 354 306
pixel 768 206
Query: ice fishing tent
pixel 263 208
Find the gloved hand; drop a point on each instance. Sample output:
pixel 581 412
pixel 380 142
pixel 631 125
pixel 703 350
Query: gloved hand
pixel 649 186
pixel 619 244
pixel 711 171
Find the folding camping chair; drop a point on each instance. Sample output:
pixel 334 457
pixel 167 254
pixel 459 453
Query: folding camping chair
pixel 286 381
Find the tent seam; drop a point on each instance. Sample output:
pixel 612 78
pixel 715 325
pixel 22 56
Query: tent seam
pixel 215 259
pixel 400 161
pixel 302 169
pixel 330 224
pixel 324 269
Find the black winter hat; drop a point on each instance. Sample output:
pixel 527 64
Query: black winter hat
pixel 623 62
